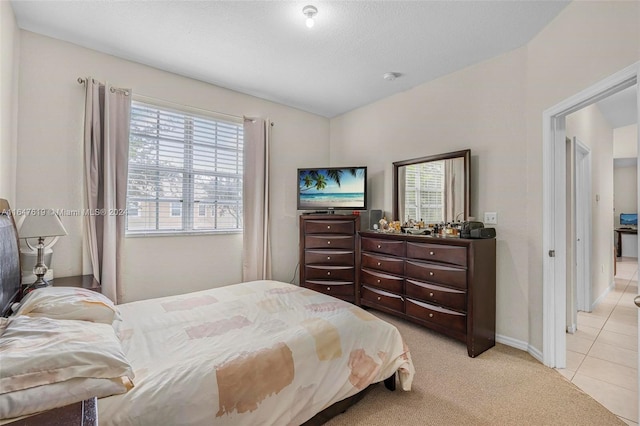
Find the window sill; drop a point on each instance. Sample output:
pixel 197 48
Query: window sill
pixel 143 234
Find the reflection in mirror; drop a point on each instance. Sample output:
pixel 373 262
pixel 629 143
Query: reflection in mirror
pixel 432 189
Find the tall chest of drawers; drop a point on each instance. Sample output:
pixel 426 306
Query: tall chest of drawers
pixel 329 254
pixel 445 284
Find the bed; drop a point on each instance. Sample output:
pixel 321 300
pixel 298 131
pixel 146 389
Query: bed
pixel 262 352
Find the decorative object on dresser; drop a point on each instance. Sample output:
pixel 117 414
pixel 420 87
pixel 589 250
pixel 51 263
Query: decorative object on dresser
pixel 368 218
pixel 446 284
pixel 45 223
pixel 328 254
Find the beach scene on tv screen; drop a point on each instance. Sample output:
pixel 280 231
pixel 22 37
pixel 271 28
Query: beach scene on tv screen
pixel 332 188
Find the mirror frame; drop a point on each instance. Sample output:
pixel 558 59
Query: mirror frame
pixel 465 153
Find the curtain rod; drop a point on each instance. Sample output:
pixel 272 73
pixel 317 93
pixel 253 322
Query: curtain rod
pixel 112 89
pixel 82 80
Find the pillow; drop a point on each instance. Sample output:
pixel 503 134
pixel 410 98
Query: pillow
pixel 44 351
pixel 72 303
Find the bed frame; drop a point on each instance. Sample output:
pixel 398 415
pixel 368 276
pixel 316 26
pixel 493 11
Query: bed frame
pixel 10 286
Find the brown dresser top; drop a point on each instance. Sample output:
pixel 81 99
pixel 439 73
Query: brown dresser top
pixel 457 241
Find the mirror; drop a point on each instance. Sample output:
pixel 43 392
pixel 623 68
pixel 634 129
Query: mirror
pixel 433 189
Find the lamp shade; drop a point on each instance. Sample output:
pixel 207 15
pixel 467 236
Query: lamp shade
pixel 47 225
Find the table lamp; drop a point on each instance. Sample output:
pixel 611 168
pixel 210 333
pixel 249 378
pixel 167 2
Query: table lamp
pixel 40 227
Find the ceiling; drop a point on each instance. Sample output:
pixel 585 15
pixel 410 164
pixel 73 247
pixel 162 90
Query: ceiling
pixel 620 109
pixel 263 48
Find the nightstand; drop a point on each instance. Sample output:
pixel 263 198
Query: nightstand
pixel 84 281
pixel 84 413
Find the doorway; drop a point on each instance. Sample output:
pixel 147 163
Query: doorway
pixel 554 210
pixel 556 247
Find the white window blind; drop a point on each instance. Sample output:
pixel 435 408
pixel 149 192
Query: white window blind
pixel 424 198
pixel 185 172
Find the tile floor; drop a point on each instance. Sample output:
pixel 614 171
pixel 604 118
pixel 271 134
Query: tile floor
pixel 602 356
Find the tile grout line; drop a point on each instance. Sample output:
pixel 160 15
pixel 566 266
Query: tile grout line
pixel 617 303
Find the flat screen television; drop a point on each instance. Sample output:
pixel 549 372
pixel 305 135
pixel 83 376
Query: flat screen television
pixel 628 218
pixel 332 188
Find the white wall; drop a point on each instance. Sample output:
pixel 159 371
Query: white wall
pixel 593 129
pixel 625 142
pixel 625 190
pixel 625 172
pixel 9 65
pixel 495 109
pixel 49 171
pixel 478 108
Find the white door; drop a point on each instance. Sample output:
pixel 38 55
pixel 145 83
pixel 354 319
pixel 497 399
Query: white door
pixel 583 226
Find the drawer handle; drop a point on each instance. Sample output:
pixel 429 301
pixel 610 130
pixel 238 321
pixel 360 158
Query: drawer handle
pixel 431 253
pixel 328 257
pixel 328 288
pixel 430 294
pixel 379 263
pixel 328 242
pixel 329 273
pixel 328 226
pixel 430 315
pixel 379 246
pixel 378 281
pixel 431 273
pixel 378 297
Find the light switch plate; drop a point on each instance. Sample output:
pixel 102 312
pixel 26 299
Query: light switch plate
pixel 490 218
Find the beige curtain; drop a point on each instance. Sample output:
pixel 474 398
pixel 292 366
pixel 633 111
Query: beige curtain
pixel 402 189
pixel 106 149
pixel 256 247
pixel 454 189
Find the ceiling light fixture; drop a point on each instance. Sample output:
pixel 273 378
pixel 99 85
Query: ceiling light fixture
pixel 390 76
pixel 309 12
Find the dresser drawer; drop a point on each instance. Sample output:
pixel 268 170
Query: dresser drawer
pixel 381 263
pixel 437 253
pixel 395 248
pixel 382 281
pixel 441 274
pixel 329 241
pixel 382 298
pixel 345 273
pixel 329 227
pixel 336 288
pixel 329 257
pixel 441 296
pixel 430 313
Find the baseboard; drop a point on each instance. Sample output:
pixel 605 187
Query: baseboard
pixel 603 295
pixel 520 344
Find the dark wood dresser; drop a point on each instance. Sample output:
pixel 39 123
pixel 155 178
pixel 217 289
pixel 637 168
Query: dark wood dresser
pixel 446 284
pixel 328 254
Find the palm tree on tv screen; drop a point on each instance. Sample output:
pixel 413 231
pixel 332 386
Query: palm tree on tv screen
pixel 316 180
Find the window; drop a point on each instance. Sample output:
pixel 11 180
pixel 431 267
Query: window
pixel 424 198
pixel 134 209
pixel 185 172
pixel 176 210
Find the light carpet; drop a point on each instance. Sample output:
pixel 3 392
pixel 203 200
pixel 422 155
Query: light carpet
pixel 502 386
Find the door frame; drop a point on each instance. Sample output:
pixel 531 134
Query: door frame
pixel 583 221
pixel 554 255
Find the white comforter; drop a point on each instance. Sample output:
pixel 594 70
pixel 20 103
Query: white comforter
pixel 258 353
